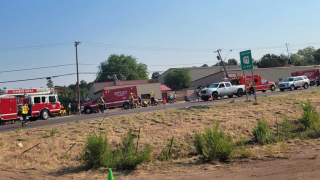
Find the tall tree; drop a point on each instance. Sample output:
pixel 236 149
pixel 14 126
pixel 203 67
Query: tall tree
pixel 232 62
pixel 205 65
pixel 270 60
pixel 178 79
pixel 316 56
pixel 306 55
pixel 121 67
pixel 83 84
pixel 297 60
pixel 155 75
pixel 50 83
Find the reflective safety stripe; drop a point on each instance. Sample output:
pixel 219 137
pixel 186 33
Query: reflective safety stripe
pixel 24 109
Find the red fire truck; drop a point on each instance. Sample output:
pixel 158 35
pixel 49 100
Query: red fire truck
pixel 113 98
pixel 312 75
pixel 42 103
pixel 260 84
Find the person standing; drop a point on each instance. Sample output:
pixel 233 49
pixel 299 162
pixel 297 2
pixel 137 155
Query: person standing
pixel 101 104
pixel 131 101
pixel 174 97
pixel 251 86
pixel 25 110
pixel 69 108
pixel 152 95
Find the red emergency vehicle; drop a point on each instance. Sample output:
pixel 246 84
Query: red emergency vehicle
pixel 113 98
pixel 260 84
pixel 42 103
pixel 312 75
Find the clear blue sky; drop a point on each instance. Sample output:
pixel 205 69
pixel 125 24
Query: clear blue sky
pixel 200 25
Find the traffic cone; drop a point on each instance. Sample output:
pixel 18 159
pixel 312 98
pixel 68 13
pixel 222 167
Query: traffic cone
pixel 211 98
pixel 301 87
pixel 110 177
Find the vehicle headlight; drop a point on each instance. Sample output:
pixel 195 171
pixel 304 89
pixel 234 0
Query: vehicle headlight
pixel 82 107
pixel 208 91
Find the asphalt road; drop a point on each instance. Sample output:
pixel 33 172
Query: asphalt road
pixel 111 113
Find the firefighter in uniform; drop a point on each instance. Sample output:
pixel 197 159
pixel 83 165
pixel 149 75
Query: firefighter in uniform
pixel 101 104
pixel 25 110
pixel 131 101
pixel 251 86
pixel 152 95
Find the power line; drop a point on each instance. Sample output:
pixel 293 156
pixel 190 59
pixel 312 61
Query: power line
pixel 31 79
pixel 37 47
pixel 44 67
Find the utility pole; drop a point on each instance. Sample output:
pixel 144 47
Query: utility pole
pixel 219 58
pixel 76 45
pixel 288 53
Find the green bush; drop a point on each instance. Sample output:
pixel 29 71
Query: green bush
pixel 310 116
pixel 213 144
pixel 97 153
pixel 287 130
pixel 262 133
pixel 53 132
pixel 243 150
pixel 166 152
pixel 125 158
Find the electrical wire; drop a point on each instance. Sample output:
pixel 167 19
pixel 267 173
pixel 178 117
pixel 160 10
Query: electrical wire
pixel 31 79
pixel 45 67
pixel 37 47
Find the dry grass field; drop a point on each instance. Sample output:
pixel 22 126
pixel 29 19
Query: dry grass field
pixel 50 157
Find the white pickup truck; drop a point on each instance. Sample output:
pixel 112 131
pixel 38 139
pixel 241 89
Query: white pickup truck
pixel 222 89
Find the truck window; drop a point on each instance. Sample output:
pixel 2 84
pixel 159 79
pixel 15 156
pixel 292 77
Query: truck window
pixel 96 100
pixel 264 81
pixel 36 100
pixel 52 99
pixel 228 85
pixel 221 85
pixel 299 78
pixel 305 77
pixel 43 99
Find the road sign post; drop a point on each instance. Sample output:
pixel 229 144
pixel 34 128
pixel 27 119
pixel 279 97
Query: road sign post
pixel 246 64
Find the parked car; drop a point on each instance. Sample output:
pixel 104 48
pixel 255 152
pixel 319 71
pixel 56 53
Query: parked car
pixel 221 89
pixel 294 83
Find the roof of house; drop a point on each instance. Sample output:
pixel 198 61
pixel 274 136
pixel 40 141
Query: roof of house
pixel 165 88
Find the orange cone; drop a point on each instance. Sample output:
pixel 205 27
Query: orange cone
pixel 211 98
pixel 301 86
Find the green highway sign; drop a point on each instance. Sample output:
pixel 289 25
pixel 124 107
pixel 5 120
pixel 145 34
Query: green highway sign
pixel 246 60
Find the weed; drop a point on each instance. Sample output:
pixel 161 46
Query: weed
pixel 19 131
pixel 270 151
pixel 21 139
pixel 232 100
pixel 265 95
pixel 53 132
pixel 243 151
pixel 77 121
pixel 310 116
pixel 166 152
pixel 262 133
pixel 287 129
pixel 1 143
pixel 213 144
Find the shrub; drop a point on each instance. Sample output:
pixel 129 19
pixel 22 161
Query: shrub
pixel 124 157
pixel 166 153
pixel 310 116
pixel 97 153
pixel 287 129
pixel 213 144
pixel 232 100
pixel 262 134
pixel 243 150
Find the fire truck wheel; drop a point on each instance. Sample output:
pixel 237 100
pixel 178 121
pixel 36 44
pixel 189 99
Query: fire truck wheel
pixel 230 96
pixel 88 110
pixel 44 115
pixel 125 105
pixel 273 88
pixel 306 85
pixel 240 93
pixel 215 96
